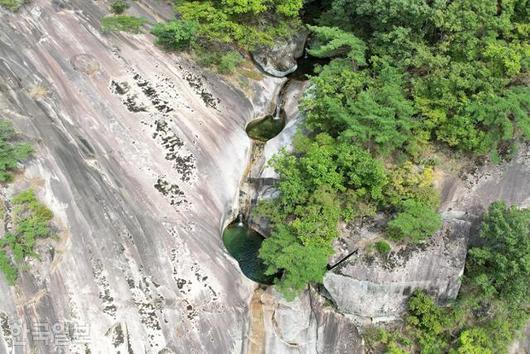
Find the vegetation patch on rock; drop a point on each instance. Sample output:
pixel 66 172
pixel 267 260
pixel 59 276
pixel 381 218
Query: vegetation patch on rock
pixel 31 221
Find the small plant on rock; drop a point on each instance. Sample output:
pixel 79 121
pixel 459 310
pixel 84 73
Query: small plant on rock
pixel 11 152
pixel 382 247
pixel 118 7
pixel 122 23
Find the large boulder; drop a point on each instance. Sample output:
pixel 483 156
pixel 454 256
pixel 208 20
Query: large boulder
pixel 374 288
pixel 280 59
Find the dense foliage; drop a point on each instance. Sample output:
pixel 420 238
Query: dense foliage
pixel 243 23
pixel 11 152
pixel 458 69
pixel 492 304
pixel 122 23
pixel 174 35
pixel 214 32
pixel 500 267
pixel 327 180
pixel 403 75
pixel 31 221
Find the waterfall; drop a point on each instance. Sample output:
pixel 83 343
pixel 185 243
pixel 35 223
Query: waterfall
pixel 277 111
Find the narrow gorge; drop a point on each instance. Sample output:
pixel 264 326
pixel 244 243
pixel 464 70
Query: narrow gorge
pixel 152 164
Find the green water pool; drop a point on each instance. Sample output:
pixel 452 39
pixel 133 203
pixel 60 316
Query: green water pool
pixel 266 128
pixel 243 244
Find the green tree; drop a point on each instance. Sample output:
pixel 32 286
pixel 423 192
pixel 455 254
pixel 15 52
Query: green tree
pixel 368 110
pixel 428 322
pixel 500 267
pixel 299 264
pixel 236 22
pixel 333 42
pixel 474 341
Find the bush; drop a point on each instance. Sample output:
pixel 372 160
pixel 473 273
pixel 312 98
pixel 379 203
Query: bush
pixel 31 221
pixel 228 62
pixel 6 267
pixel 174 35
pixel 118 7
pixel 382 247
pixel 11 152
pixel 122 23
pixel 416 221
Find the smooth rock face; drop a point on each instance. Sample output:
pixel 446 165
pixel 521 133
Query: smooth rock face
pixel 280 60
pixel 139 154
pixel 304 325
pixel 373 289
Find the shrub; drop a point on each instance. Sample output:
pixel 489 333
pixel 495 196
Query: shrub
pixel 11 152
pixel 174 35
pixel 31 221
pixel 118 7
pixel 6 267
pixel 228 62
pixel 382 247
pixel 122 23
pixel 416 221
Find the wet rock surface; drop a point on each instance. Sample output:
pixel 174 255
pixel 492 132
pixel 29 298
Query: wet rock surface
pixel 263 174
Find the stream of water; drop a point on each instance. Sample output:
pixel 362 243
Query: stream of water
pixel 240 240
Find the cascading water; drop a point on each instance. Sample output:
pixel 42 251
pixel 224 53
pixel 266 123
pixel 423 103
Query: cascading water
pixel 240 240
pixel 277 111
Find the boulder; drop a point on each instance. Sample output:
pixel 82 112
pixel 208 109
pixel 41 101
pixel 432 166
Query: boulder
pixel 374 289
pixel 280 59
